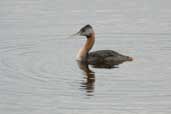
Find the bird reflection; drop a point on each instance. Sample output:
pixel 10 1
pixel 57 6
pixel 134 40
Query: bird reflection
pixel 87 85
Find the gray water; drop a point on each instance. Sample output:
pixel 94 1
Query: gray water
pixel 38 71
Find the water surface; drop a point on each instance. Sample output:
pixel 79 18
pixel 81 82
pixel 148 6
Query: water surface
pixel 39 73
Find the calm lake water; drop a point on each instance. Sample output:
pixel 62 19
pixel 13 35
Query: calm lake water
pixel 38 71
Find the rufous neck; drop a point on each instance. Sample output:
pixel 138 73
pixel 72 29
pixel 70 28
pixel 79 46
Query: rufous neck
pixel 82 54
pixel 89 43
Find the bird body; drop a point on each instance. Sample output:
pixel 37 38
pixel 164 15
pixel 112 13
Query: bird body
pixel 108 58
pixel 101 58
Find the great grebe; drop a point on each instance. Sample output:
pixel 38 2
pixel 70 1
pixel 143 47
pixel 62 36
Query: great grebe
pixel 101 58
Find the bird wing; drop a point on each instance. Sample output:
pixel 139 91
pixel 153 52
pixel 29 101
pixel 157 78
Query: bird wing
pixel 103 53
pixel 96 57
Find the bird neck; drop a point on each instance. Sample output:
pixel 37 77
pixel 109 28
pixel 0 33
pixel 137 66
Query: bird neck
pixel 89 44
pixel 82 54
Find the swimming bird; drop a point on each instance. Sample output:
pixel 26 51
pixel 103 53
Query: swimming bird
pixel 100 58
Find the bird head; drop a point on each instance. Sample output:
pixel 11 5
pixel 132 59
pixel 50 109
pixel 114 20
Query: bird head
pixel 87 31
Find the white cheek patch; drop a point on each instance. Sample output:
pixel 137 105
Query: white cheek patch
pixel 88 32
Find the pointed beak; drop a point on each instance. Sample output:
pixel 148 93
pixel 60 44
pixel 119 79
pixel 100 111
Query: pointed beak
pixel 73 35
pixel 76 34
